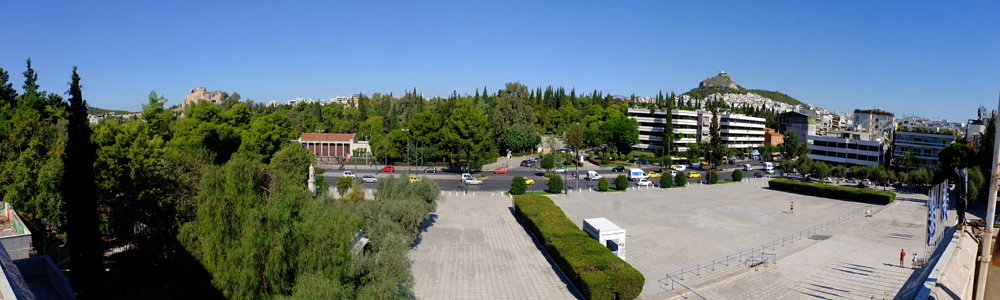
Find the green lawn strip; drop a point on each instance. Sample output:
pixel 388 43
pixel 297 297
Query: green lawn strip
pixel 832 191
pixel 726 181
pixel 592 268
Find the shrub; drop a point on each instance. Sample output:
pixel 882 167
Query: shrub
pixel 832 191
pixel 629 157
pixel 621 182
pixel 593 269
pixel 343 185
pixel 603 185
pixel 555 185
pixel 591 153
pixel 321 185
pixel 680 179
pixel 549 175
pixel 666 180
pixel 518 186
pixel 548 162
pixel 713 177
pixel 737 175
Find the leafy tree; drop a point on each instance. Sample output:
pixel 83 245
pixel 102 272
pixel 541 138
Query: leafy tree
pixel 713 177
pixel 821 169
pixel 715 142
pixel 344 185
pixel 666 180
pixel 620 133
pixel 516 140
pixel 467 130
pixel 680 179
pixel 838 171
pixel 621 182
pixel 805 165
pixel 737 175
pixel 602 184
pixel 952 156
pixel 790 145
pixel 555 185
pixel 977 189
pixel 548 162
pixel 518 186
pixel 512 112
pixel 8 94
pixel 575 138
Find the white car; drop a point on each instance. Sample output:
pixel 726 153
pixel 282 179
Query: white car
pixel 369 179
pixel 560 170
pixel 473 180
pixel 349 174
pixel 466 176
pixel 644 182
pixel 680 168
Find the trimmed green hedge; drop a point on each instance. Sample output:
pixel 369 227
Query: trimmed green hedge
pixel 602 184
pixel 555 185
pixel 518 186
pixel 832 191
pixel 621 182
pixel 592 268
pixel 737 175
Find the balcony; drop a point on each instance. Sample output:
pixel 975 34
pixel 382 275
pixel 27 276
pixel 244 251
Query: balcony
pixel 742 139
pixel 643 137
pixel 742 131
pixel 650 129
pixel 843 150
pixel 650 120
pixel 741 124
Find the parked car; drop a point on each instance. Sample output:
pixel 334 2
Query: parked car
pixel 369 179
pixel 388 169
pixel 414 178
pixel 524 163
pixel 431 169
pixel 560 170
pixel 529 181
pixel 758 175
pixel 851 180
pixel 473 180
pixel 643 162
pixel 349 174
pixel 500 170
pixel 644 182
pixel 866 182
pixel 693 174
pixel 618 169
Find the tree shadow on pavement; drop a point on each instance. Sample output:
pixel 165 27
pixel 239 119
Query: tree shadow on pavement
pixel 426 223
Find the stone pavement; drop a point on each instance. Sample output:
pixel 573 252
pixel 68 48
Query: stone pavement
pixel 860 261
pixel 471 247
pixel 672 229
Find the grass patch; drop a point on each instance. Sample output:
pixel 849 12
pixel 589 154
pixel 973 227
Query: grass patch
pixel 540 193
pixel 615 164
pixel 833 191
pixel 726 181
pixel 592 268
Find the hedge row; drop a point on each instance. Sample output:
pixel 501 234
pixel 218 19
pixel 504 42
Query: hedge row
pixel 832 191
pixel 594 270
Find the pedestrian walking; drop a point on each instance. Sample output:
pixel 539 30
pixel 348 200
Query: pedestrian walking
pixel 791 209
pixel 914 260
pixel 902 255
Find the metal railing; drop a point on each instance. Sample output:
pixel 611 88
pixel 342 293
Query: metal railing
pixel 684 292
pixel 759 250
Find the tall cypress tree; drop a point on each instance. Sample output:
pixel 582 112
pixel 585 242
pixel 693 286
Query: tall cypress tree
pixel 80 197
pixel 8 94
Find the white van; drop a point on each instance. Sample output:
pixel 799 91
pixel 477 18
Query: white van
pixel 592 175
pixel 636 174
pixel 681 168
pixel 747 167
pixel 769 167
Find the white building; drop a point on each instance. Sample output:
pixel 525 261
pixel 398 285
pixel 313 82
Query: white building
pixel 740 131
pixel 875 121
pixel 653 122
pixel 847 148
pixel 923 143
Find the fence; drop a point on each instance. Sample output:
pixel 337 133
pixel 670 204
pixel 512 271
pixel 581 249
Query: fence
pixel 684 292
pixel 757 253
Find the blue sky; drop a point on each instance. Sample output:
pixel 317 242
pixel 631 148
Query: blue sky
pixel 936 60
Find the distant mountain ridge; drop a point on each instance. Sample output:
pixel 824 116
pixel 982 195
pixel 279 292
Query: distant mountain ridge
pixel 101 111
pixel 722 83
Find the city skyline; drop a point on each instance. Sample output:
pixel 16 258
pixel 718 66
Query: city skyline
pixel 924 59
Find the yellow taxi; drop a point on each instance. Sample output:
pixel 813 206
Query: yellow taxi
pixel 653 174
pixel 414 179
pixel 693 175
pixel 529 181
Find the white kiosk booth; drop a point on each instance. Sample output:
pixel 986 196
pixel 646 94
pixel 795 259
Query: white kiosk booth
pixel 606 232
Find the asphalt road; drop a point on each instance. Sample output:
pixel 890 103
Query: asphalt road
pixel 451 180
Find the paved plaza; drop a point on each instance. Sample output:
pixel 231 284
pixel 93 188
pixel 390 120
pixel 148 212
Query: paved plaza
pixel 680 228
pixel 473 248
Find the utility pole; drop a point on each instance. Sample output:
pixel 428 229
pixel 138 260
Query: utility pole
pixel 991 205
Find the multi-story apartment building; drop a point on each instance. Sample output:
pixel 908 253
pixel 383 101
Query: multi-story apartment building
pixel 740 131
pixel 847 148
pixel 923 143
pixel 875 121
pixel 653 122
pixel 802 124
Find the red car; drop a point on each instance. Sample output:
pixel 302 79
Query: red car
pixel 388 169
pixel 500 170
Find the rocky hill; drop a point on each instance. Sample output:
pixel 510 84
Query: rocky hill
pixel 720 79
pixel 722 83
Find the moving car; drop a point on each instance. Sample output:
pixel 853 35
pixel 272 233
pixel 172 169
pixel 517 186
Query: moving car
pixel 644 182
pixel 368 179
pixel 414 178
pixel 618 169
pixel 529 181
pixel 388 169
pixel 680 168
pixel 643 162
pixel 349 174
pixel 693 174
pixel 652 174
pixel 431 169
pixel 592 175
pixel 473 180
pixel 636 174
pixel 560 170
pixel 466 176
pixel 500 170
pixel 758 175
pixel 524 163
